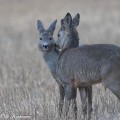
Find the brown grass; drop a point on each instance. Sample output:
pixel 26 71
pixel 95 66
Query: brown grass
pixel 26 85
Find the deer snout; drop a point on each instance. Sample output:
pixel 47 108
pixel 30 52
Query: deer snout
pixel 45 46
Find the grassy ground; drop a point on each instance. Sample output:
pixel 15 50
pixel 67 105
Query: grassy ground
pixel 27 89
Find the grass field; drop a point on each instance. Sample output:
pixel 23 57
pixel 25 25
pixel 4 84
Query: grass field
pixel 27 89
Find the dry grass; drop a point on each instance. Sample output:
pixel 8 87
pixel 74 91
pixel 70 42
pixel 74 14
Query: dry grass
pixel 26 85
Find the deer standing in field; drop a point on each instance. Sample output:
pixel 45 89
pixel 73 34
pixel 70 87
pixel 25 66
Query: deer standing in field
pixel 86 65
pixel 71 37
pixel 50 54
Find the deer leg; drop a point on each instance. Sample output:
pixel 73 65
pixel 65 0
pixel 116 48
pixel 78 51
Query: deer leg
pixel 89 102
pixel 83 95
pixel 61 99
pixel 70 98
pixel 112 82
pixel 86 100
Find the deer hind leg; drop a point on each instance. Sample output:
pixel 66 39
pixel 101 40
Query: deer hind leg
pixel 89 102
pixel 70 97
pixel 112 82
pixel 111 75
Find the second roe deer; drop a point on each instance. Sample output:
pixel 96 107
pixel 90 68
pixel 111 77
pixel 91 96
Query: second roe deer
pixel 87 65
pixel 69 35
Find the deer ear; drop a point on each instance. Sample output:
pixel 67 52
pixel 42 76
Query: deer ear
pixel 76 20
pixel 52 27
pixel 66 22
pixel 40 26
pixel 62 22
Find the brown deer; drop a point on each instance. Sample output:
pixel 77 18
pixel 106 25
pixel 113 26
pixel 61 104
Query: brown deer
pixel 69 42
pixel 86 65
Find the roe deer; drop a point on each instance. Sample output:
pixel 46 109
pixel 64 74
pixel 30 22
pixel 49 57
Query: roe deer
pixel 50 53
pixel 87 65
pixel 70 39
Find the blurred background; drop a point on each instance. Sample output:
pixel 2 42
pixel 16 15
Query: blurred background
pixel 26 85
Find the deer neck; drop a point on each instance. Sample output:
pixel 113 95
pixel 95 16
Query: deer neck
pixel 71 40
pixel 74 39
pixel 51 59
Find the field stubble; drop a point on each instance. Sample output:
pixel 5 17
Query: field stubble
pixel 27 88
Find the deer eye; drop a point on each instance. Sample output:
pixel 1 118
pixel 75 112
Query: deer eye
pixel 40 38
pixel 50 38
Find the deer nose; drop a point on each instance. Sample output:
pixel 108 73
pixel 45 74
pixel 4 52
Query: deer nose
pixel 45 46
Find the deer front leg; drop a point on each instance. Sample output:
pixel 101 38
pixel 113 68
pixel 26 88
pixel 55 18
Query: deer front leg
pixel 70 98
pixel 61 99
pixel 83 95
pixel 86 100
